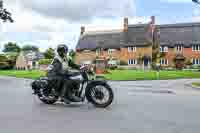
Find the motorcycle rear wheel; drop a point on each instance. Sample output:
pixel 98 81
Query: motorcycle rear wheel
pixel 51 98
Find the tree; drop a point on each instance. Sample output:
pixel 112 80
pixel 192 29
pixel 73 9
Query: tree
pixel 4 14
pixel 4 64
pixel 28 47
pixel 11 47
pixel 12 57
pixel 156 55
pixel 49 53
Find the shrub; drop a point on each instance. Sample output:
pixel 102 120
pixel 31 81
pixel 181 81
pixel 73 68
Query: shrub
pixel 3 58
pixel 123 63
pixel 113 67
pixel 188 63
pixel 4 65
pixel 45 61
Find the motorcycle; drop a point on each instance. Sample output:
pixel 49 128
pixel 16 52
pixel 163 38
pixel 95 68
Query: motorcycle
pixel 97 92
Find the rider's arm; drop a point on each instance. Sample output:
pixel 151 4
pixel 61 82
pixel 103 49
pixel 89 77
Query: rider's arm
pixel 73 65
pixel 57 67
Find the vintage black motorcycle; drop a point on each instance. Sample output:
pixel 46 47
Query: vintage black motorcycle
pixel 97 92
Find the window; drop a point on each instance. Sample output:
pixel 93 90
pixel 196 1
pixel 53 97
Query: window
pixel 132 49
pixel 87 62
pixel 196 61
pixel 132 61
pixel 179 48
pixel 112 62
pixel 98 51
pixel 163 61
pixel 86 50
pixel 163 49
pixel 195 47
pixel 110 51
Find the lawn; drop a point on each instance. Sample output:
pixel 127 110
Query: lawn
pixel 196 84
pixel 23 74
pixel 149 75
pixel 117 74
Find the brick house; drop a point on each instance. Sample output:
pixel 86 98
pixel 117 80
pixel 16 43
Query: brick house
pixel 28 60
pixel 132 45
pixel 181 43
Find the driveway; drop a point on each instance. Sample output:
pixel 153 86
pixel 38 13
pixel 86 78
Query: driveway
pixel 139 106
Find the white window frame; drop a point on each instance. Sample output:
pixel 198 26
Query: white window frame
pixel 132 49
pixel 110 51
pixel 163 48
pixel 86 62
pixel 196 47
pixel 86 50
pixel 98 51
pixel 179 48
pixel 112 62
pixel 164 61
pixel 132 62
pixel 196 61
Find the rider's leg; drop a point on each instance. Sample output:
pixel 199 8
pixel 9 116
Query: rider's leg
pixel 69 91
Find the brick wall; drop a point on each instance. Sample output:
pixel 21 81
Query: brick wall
pixel 189 54
pixel 121 54
pixel 186 52
pixel 170 55
pixel 85 56
pixel 125 55
pixel 114 54
pixel 91 55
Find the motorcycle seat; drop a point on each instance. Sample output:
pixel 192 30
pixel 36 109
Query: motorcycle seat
pixel 71 74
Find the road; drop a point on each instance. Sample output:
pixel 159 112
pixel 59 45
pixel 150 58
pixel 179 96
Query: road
pixel 139 107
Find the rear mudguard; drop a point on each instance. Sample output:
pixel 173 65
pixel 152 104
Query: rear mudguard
pixel 38 84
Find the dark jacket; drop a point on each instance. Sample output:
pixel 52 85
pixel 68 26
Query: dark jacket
pixel 56 68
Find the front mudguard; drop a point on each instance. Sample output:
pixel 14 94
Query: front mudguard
pixel 96 82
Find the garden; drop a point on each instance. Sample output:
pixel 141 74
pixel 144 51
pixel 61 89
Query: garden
pixel 116 74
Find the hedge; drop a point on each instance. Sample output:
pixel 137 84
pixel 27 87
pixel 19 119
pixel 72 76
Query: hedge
pixel 45 61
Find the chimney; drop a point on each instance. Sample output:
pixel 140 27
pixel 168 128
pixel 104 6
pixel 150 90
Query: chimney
pixel 152 19
pixel 82 30
pixel 125 24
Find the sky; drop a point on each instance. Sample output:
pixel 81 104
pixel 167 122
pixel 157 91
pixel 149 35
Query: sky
pixel 47 23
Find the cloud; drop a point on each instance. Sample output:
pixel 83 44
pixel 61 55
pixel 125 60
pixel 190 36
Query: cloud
pixel 177 1
pixel 80 10
pixel 46 23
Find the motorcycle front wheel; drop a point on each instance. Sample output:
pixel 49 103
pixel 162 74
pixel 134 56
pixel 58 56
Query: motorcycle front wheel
pixel 100 95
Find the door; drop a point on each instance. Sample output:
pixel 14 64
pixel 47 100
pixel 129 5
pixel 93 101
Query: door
pixel 179 64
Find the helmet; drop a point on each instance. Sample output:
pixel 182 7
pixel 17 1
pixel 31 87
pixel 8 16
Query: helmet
pixel 62 50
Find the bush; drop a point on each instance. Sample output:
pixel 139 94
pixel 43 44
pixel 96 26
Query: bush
pixel 112 67
pixel 3 58
pixel 7 61
pixel 188 63
pixel 4 65
pixel 123 63
pixel 45 61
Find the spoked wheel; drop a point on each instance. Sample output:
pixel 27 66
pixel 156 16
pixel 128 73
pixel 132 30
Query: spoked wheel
pixel 47 96
pixel 100 95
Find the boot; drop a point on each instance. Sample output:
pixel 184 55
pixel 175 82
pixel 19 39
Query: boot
pixel 70 95
pixel 74 98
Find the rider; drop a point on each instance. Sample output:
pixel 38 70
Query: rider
pixel 59 70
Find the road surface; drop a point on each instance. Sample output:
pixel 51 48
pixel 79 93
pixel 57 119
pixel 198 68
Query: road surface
pixel 139 107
